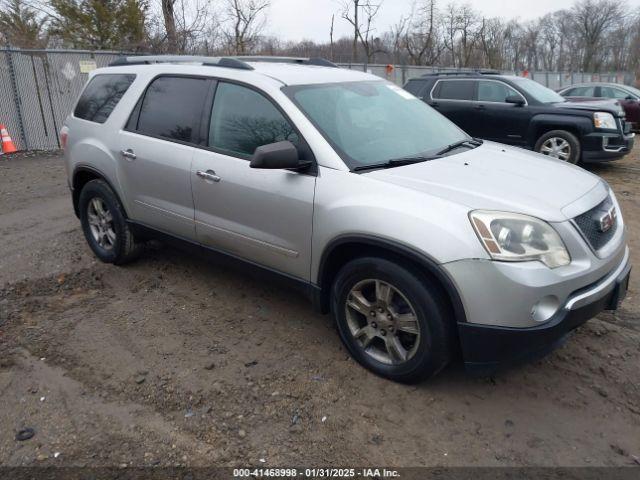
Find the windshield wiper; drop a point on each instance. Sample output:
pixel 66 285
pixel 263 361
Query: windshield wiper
pixel 396 162
pixel 476 142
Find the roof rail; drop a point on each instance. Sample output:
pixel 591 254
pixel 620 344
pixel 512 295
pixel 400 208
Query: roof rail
pixel 227 62
pixel 471 73
pixel 317 61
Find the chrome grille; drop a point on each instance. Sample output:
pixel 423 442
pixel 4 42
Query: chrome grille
pixel 592 223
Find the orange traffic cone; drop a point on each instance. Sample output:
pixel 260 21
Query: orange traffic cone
pixel 7 144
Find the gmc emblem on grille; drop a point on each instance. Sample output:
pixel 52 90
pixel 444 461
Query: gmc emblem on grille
pixel 607 220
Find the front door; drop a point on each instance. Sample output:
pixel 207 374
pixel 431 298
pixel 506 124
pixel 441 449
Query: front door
pixel 156 151
pixel 498 120
pixel 264 216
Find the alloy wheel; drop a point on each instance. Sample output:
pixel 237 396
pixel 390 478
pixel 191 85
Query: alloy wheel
pixel 101 223
pixel 556 147
pixel 383 321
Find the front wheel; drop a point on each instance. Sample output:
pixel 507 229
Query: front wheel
pixel 559 144
pixel 392 320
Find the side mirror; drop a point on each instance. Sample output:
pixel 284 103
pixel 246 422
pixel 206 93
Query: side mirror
pixel 631 98
pixel 279 155
pixel 515 99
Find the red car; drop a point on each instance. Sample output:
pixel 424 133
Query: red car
pixel 628 97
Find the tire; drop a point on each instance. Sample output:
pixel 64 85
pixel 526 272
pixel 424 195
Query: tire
pixel 107 232
pixel 427 353
pixel 556 142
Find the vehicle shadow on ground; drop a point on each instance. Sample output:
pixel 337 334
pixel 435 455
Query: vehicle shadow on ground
pixel 213 271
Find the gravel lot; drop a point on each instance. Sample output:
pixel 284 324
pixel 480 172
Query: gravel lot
pixel 174 360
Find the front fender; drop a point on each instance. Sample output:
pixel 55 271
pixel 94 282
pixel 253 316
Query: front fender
pixel 548 121
pixel 352 205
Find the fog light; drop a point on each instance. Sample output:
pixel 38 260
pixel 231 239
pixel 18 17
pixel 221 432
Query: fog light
pixel 545 308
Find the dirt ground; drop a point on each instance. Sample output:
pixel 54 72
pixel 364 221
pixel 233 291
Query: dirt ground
pixel 175 360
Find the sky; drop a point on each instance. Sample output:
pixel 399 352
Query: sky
pixel 311 19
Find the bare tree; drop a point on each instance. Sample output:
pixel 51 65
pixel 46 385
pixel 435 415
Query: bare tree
pixel 246 21
pixel 361 15
pixel 333 18
pixel 492 41
pixel 422 41
pixel 593 35
pixel 185 26
pixel 169 16
pixel 394 39
pixel 593 20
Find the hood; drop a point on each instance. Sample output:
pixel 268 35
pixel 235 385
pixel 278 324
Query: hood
pixel 498 177
pixel 595 105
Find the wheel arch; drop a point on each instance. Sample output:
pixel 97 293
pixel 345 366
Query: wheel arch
pixel 347 247
pixel 82 175
pixel 541 124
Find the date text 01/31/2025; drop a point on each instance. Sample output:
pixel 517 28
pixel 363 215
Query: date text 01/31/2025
pixel 315 473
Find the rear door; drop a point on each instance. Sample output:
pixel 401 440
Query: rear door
pixel 157 148
pixel 454 98
pixel 498 120
pixel 264 216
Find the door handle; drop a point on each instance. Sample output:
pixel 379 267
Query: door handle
pixel 128 154
pixel 480 107
pixel 209 175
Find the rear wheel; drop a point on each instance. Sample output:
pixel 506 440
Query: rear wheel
pixel 104 224
pixel 392 321
pixel 559 144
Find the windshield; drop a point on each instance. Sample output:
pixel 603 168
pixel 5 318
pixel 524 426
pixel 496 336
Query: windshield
pixel 373 122
pixel 633 90
pixel 538 91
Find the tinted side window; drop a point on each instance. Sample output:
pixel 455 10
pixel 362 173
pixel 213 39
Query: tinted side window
pixel 455 90
pixel 243 119
pixel 101 96
pixel 172 107
pixel 581 92
pixel 415 87
pixel 609 92
pixel 494 91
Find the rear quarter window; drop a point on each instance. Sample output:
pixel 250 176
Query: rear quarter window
pixel 101 95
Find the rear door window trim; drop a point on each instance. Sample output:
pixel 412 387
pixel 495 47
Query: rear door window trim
pixel 135 113
pixel 475 90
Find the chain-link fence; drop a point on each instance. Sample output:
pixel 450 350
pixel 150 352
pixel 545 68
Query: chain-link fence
pixel 38 88
pixel 555 80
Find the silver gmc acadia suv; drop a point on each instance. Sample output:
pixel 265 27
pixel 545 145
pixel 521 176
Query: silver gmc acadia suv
pixel 423 242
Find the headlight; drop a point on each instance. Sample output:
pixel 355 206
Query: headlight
pixel 513 237
pixel 604 120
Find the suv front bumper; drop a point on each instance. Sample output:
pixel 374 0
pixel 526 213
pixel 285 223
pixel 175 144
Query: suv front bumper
pixel 604 147
pixel 486 347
